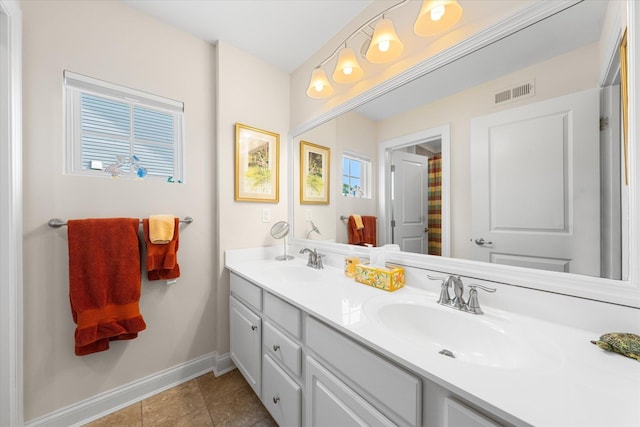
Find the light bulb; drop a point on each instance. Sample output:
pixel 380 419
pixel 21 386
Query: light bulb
pixel 437 13
pixel 347 70
pixel 319 86
pixel 383 46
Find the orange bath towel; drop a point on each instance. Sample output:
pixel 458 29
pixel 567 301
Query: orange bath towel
pixel 162 260
pixel 370 230
pixel 104 281
pixel 362 236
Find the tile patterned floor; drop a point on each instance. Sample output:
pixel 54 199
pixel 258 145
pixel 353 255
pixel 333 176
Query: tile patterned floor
pixel 206 401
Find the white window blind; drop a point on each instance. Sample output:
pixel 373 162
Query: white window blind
pixel 109 124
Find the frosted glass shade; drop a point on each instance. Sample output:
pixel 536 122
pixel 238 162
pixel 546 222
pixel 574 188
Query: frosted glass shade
pixel 385 45
pixel 437 16
pixel 319 86
pixel 348 69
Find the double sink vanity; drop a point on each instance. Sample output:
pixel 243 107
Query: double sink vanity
pixel 320 349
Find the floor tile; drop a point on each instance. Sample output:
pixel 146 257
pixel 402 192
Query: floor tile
pixel 207 401
pixel 238 408
pixel 199 418
pixel 131 416
pixel 166 408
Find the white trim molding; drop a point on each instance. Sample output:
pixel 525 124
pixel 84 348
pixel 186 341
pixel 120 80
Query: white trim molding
pixel 11 388
pixel 115 399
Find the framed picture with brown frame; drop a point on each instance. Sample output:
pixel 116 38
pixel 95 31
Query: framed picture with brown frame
pixel 257 169
pixel 315 169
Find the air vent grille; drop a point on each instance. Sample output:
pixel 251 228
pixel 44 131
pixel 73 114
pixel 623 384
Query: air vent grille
pixel 523 90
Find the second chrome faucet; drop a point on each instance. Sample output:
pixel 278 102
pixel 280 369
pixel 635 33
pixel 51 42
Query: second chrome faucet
pixel 472 305
pixel 315 258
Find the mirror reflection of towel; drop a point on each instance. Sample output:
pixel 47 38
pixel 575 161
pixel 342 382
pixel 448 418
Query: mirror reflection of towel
pixel 365 235
pixel 358 220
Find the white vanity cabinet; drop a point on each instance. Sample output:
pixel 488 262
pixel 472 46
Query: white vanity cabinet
pixel 289 358
pixel 282 361
pixel 394 392
pixel 246 330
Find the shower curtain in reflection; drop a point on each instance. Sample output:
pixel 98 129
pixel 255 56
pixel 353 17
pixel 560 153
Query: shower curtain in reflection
pixel 434 205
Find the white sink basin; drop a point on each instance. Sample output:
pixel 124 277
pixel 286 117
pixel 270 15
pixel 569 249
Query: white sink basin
pixel 491 340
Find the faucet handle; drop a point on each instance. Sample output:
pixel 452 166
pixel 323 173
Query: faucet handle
pixel 473 305
pixel 444 299
pixel 319 258
pixel 458 291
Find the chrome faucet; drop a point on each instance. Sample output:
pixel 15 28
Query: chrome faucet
pixel 472 305
pixel 315 258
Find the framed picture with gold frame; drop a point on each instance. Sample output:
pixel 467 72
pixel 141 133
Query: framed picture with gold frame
pixel 257 169
pixel 315 163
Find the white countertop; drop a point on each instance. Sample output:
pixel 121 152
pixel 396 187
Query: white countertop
pixel 579 384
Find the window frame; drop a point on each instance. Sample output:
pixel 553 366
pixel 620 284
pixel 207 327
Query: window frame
pixel 365 173
pixel 74 85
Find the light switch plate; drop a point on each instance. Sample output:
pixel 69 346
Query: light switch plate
pixel 266 215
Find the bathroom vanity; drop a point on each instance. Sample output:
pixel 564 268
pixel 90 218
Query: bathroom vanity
pixel 320 349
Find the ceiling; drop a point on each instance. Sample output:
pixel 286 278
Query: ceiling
pixel 284 33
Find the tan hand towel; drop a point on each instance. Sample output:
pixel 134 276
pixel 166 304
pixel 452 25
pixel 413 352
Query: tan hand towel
pixel 161 229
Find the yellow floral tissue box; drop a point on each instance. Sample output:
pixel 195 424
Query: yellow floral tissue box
pixel 389 279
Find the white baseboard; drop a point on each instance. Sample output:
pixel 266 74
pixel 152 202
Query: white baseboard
pixel 120 397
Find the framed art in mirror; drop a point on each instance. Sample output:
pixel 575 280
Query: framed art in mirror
pixel 314 173
pixel 257 169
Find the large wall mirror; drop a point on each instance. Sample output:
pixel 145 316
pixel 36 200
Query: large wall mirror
pixel 523 136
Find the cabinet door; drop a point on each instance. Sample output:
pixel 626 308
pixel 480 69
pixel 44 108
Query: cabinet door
pixel 281 395
pixel 330 402
pixel 458 415
pixel 245 336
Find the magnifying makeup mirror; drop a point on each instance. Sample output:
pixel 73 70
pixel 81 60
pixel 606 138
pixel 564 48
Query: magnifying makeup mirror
pixel 279 231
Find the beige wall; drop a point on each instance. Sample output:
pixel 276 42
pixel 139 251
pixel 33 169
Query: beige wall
pixel 113 42
pixel 253 93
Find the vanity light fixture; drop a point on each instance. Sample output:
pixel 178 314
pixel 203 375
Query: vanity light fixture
pixel 348 69
pixel 319 86
pixel 437 16
pixel 385 45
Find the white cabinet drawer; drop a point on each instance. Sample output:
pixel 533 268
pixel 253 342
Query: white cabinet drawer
pixel 246 291
pixel 281 395
pixel 329 402
pixel 458 415
pixel 282 348
pixel 392 390
pixel 283 314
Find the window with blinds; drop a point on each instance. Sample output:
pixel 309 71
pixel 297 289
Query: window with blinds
pixel 117 131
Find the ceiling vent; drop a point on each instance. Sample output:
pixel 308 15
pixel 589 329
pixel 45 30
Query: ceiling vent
pixel 522 90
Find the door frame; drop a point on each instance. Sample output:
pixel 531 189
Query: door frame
pixel 384 161
pixel 11 309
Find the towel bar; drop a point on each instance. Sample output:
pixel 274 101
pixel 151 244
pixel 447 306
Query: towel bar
pixel 57 222
pixel 344 218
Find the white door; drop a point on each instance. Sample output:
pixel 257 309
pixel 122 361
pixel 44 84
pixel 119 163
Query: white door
pixel 535 185
pixel 409 201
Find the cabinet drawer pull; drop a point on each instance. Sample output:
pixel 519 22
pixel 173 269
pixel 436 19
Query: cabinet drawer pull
pixel 254 327
pixel 276 347
pixel 276 399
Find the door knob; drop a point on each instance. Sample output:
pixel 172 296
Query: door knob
pixel 481 242
pixel 426 230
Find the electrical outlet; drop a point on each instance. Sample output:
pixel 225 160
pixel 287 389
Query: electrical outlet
pixel 266 215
